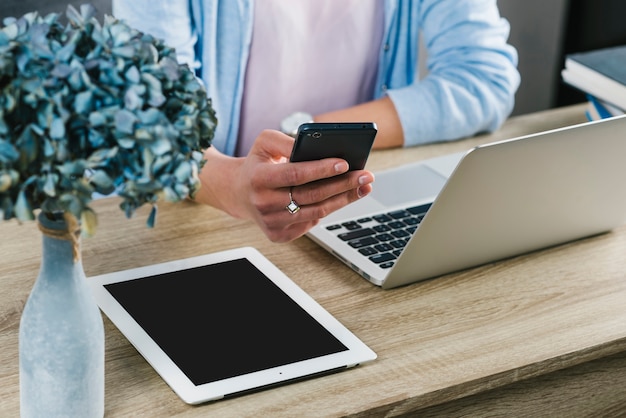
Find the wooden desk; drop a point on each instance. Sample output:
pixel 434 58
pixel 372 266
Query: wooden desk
pixel 541 333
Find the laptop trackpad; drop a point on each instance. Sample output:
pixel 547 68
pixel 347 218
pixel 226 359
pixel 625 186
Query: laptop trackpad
pixel 413 182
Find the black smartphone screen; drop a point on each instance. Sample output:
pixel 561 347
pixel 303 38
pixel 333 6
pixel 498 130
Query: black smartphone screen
pixel 351 141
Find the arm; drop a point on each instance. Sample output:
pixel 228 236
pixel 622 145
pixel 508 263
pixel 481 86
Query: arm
pixel 381 111
pixel 472 75
pixel 471 82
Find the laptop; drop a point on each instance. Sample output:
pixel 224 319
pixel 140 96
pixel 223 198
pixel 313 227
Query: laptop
pixel 495 201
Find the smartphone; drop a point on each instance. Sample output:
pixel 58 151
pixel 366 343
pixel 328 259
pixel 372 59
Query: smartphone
pixel 351 141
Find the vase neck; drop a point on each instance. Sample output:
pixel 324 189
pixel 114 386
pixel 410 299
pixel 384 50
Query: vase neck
pixel 58 263
pixel 55 249
pixel 60 233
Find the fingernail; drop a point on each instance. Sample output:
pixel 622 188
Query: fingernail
pixel 362 192
pixel 341 167
pixel 365 180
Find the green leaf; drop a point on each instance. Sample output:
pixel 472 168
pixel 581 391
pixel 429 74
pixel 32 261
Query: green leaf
pixel 6 208
pixel 50 185
pixel 27 146
pixel 132 74
pixel 88 222
pixel 74 168
pixel 57 129
pixel 160 146
pixel 83 102
pixel 61 70
pixel 8 152
pixel 152 217
pixel 183 171
pixel 5 182
pixel 23 209
pixel 97 119
pixel 125 122
pixel 102 182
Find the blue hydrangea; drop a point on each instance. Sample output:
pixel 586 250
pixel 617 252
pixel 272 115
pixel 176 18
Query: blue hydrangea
pixel 92 108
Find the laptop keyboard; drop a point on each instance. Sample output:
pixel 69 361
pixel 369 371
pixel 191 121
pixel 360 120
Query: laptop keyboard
pixel 381 238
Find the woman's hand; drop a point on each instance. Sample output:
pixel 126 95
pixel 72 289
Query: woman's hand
pixel 258 186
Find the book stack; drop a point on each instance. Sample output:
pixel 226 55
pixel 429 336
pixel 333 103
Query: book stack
pixel 601 74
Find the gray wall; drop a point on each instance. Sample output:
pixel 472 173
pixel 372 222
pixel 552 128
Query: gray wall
pixel 537 31
pixel 16 8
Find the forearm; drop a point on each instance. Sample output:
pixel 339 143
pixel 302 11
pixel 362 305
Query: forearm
pixel 381 111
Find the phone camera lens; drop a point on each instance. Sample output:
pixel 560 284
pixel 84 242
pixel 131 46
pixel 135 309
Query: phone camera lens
pixel 317 134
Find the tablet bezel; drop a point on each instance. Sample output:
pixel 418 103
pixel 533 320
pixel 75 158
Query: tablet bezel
pixel 357 352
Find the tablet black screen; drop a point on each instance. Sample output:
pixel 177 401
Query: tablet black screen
pixel 223 320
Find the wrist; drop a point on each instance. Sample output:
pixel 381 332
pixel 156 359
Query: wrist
pixel 290 124
pixel 216 182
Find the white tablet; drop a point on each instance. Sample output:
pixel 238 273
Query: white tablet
pixel 226 323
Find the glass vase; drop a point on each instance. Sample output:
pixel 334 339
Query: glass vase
pixel 61 335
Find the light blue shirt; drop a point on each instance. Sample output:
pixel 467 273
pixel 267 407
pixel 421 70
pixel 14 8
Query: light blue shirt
pixel 472 70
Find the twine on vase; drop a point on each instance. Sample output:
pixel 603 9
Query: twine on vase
pixel 71 233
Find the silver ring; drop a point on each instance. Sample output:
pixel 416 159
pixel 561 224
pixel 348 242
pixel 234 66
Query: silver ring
pixel 292 207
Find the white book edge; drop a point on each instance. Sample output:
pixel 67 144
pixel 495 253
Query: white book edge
pixel 589 81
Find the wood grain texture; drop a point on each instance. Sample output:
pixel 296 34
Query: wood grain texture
pixel 458 341
pixel 592 389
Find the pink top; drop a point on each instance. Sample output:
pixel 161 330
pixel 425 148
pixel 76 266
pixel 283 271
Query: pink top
pixel 334 47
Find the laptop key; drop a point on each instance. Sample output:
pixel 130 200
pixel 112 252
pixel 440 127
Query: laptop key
pixel 381 228
pixel 367 251
pixel 399 243
pixel 399 214
pixel 382 218
pixel 400 233
pixel 383 247
pixel 412 220
pixel 357 233
pixel 352 225
pixel 363 242
pixel 417 210
pixel 396 224
pixel 381 258
pixel 384 237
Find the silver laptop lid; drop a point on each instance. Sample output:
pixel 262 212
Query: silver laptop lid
pixel 516 196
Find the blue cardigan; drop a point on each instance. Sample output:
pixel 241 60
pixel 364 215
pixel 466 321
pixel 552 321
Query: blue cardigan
pixel 471 76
